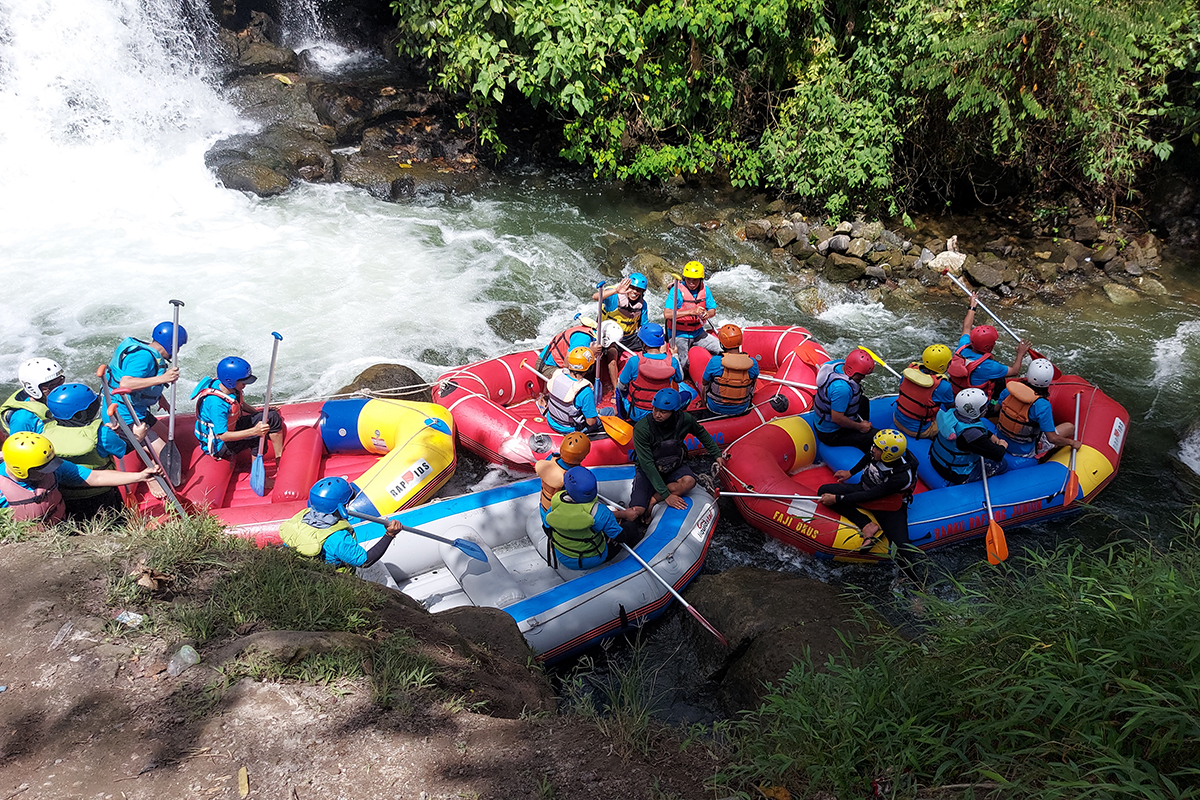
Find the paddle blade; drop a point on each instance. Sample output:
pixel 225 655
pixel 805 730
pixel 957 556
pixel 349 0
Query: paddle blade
pixel 471 549
pixel 258 476
pixel 172 463
pixel 708 626
pixel 997 545
pixel 438 425
pixel 617 429
pixel 1072 490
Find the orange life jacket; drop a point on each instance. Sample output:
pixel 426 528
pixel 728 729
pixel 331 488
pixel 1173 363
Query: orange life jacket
pixel 733 386
pixel 551 472
pixel 915 401
pixel 1014 422
pixel 653 375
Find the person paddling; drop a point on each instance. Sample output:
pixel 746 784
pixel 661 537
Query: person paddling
pixel 225 423
pixel 972 363
pixel 322 530
pixel 1026 418
pixel 25 409
pixel 144 368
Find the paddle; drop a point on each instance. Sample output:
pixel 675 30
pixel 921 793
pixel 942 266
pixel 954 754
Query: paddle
pixel 599 321
pixel 1073 480
pixel 880 361
pixel 997 545
pixel 724 493
pixel 792 384
pixel 1000 322
pixel 675 314
pixel 617 429
pixel 163 483
pixel 258 471
pixel 467 547
pixel 699 618
pixel 171 460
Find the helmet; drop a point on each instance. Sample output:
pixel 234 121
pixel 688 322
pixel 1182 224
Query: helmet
pixel 693 269
pixel 858 362
pixel 575 448
pixel 25 452
pixel 164 332
pixel 653 335
pixel 580 359
pixel 892 443
pixel 983 338
pixel 71 399
pixel 233 369
pixel 668 400
pixel 730 336
pixel 330 495
pixel 638 281
pixel 936 358
pixel 971 402
pixel 610 332
pixel 37 371
pixel 580 484
pixel 1040 373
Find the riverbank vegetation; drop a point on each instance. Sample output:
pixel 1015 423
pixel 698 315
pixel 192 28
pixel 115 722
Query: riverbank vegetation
pixel 843 105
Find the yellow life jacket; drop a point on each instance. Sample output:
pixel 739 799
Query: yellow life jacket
pixel 305 539
pixel 78 445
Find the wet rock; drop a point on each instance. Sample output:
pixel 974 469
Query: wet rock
pixel 686 215
pixel 1150 287
pixel 858 247
pixel 420 138
pixel 816 262
pixel 656 269
pixel 785 235
pixel 876 272
pixel 1077 251
pixel 1105 254
pixel 835 244
pixel 275 156
pixel 809 300
pixel 381 176
pixel 1133 269
pixel 256 49
pixel 947 261
pixel 1086 230
pixel 801 249
pixel 843 269
pixel 801 228
pixel 757 229
pixel 1047 271
pixel 935 246
pixel 253 177
pixel 821 234
pixel 512 325
pixel 350 107
pixel 618 250
pixel 784 259
pixel 1121 295
pixel 382 377
pixel 985 275
pixel 268 99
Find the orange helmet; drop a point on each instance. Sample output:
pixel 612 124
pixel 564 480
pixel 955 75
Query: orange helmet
pixel 575 448
pixel 730 336
pixel 580 359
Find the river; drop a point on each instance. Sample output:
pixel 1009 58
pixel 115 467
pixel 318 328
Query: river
pixel 107 211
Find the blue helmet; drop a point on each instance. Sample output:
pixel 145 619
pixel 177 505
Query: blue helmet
pixel 233 369
pixel 637 281
pixel 330 495
pixel 70 399
pixel 653 335
pixel 668 400
pixel 580 484
pixel 164 332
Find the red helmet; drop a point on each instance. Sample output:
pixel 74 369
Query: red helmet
pixel 859 362
pixel 983 338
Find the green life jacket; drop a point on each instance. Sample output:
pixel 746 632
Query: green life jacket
pixel 571 523
pixel 78 445
pixel 35 407
pixel 305 539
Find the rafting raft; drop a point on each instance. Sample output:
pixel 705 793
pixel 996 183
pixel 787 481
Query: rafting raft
pixel 784 457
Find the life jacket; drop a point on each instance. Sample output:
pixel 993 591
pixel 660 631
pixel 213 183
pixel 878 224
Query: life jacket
pixel 35 407
pixel 915 400
pixel 686 301
pixel 44 502
pixel 206 435
pixel 878 473
pixel 551 472
pixel 944 452
pixel 734 386
pixel 304 538
pixel 560 346
pixel 1014 422
pixel 572 526
pixel 627 315
pixel 653 375
pixel 141 398
pixel 960 371
pixel 78 445
pixel 669 455
pixel 561 408
pixel 826 375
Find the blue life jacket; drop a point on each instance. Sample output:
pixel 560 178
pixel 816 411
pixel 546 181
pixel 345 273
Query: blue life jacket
pixel 829 373
pixel 142 399
pixel 945 452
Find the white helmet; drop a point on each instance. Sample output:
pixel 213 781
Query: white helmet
pixel 36 371
pixel 610 332
pixel 1040 373
pixel 971 402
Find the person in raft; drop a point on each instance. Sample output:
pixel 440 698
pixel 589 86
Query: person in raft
pixel 570 399
pixel 78 434
pixel 25 409
pixel 923 392
pixel 889 475
pixel 843 409
pixel 972 363
pixel 625 304
pixel 649 372
pixel 322 528
pixel 728 382
pixel 554 354
pixel 690 305
pixel 660 450
pixel 1026 419
pixel 144 368
pixel 571 453
pixel 962 438
pixel 225 423
pixel 581 527
pixel 32 477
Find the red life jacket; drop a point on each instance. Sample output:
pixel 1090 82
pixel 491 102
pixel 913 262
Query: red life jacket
pixel 44 502
pixel 734 385
pixel 960 371
pixel 686 301
pixel 916 402
pixel 653 375
pixel 560 345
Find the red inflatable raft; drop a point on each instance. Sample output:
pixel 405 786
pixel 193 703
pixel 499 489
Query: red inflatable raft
pixel 496 417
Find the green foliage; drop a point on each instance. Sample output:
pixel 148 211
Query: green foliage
pixel 1074 679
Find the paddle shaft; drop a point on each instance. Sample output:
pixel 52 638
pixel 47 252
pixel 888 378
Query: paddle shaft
pixel 1075 452
pixel 880 361
pixel 470 548
pixel 262 443
pixel 141 449
pixel 772 496
pixel 675 316
pixel 174 365
pixel 992 314
pixel 792 384
pixel 996 546
pixel 599 330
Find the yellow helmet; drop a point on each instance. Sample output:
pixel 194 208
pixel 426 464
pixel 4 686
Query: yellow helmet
pixel 580 359
pixel 936 358
pixel 693 269
pixel 25 451
pixel 575 448
pixel 891 443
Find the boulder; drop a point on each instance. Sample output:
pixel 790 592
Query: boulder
pixel 821 234
pixel 1151 287
pixel 254 177
pixel 816 262
pixel 843 269
pixel 1105 254
pixel 801 228
pixel 256 49
pixel 757 229
pixel 844 227
pixel 512 324
pixel 801 249
pixel 268 99
pixel 656 269
pixel 1047 271
pixel 837 244
pixel 381 176
pixel 280 153
pixel 383 377
pixel 349 108
pixel 1120 295
pixel 985 275
pixel 1086 230
pixel 785 235
pixel 1076 250
pixel 946 260
pixel 858 247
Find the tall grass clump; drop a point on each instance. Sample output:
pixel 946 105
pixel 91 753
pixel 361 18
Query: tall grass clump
pixel 1071 674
